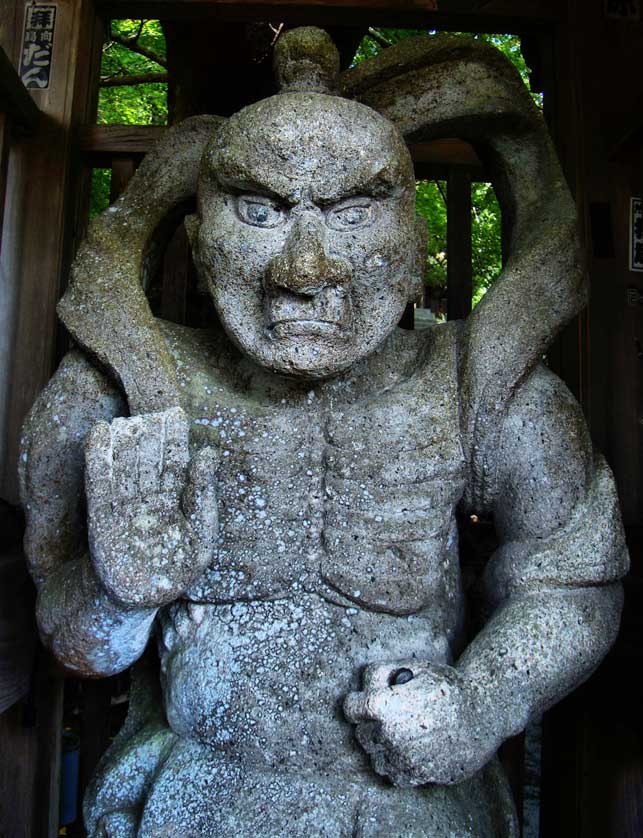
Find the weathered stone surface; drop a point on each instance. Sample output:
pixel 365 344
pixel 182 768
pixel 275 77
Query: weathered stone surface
pixel 277 504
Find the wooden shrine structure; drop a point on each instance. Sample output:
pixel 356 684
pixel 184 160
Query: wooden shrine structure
pixel 586 58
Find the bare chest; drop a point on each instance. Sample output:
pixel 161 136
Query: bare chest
pixel 355 503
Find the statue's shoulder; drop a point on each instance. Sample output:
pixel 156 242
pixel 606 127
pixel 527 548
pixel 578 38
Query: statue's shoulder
pixel 78 391
pixel 540 426
pixel 544 409
pixel 198 352
pixel 77 375
pixel 438 350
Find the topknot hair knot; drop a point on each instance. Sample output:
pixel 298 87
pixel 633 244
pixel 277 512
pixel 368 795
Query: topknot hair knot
pixel 306 60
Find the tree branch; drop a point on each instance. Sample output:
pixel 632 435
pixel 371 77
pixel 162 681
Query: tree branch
pixel 441 191
pixel 131 44
pixel 142 78
pixel 376 35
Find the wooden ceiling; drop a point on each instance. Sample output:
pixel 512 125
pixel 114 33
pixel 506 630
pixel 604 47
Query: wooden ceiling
pixel 480 15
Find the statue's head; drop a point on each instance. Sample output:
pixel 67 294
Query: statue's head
pixel 307 235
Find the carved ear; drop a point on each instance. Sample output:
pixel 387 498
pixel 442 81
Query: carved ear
pixel 443 86
pixel 105 308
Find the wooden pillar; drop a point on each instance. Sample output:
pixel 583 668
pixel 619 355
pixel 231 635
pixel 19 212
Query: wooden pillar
pixel 459 263
pixel 39 213
pixel 564 109
pixel 592 760
pixel 43 193
pixel 5 139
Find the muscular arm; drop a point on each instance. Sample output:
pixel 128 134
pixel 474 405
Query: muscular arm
pixel 553 584
pixel 88 631
pixel 553 594
pixel 151 515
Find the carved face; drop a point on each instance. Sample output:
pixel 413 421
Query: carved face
pixel 307 234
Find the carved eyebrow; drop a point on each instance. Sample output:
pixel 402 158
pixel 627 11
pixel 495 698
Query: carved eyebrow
pixel 375 187
pixel 246 184
pixel 382 183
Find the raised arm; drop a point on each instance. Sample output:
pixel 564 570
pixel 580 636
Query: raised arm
pixel 75 616
pixel 443 86
pixel 118 524
pixel 553 594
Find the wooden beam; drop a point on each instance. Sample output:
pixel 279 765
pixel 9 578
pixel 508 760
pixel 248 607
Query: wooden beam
pixel 447 152
pixel 436 160
pixel 103 143
pixel 107 141
pixel 14 98
pixel 465 16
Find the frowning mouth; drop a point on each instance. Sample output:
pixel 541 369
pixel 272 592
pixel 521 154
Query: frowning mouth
pixel 304 327
pixel 323 315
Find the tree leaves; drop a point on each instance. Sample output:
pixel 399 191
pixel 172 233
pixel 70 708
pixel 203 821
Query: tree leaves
pixel 134 54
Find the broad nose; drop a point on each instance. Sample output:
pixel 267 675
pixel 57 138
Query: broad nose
pixel 304 266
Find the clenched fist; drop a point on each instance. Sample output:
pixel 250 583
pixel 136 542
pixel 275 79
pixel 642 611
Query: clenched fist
pixel 152 514
pixel 421 722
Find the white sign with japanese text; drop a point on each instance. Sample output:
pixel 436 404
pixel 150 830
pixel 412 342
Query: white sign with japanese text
pixel 37 45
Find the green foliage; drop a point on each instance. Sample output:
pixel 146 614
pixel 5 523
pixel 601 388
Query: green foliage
pixel 101 185
pixel 131 104
pixel 486 238
pixel 485 234
pixel 430 203
pixel 136 104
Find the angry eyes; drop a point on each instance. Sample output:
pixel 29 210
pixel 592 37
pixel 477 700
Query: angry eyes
pixel 259 211
pixel 350 214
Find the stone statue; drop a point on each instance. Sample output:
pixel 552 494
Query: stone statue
pixel 319 672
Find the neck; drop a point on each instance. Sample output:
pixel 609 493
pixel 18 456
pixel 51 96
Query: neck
pixel 394 360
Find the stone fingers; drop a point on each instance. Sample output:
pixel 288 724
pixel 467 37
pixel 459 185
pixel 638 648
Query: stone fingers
pixel 199 500
pixel 376 676
pixel 136 457
pixel 387 757
pixel 126 435
pixel 150 453
pixel 377 682
pixel 175 451
pixel 363 706
pixel 368 734
pixel 98 467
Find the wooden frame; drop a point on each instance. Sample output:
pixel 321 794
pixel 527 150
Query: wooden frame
pixel 478 16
